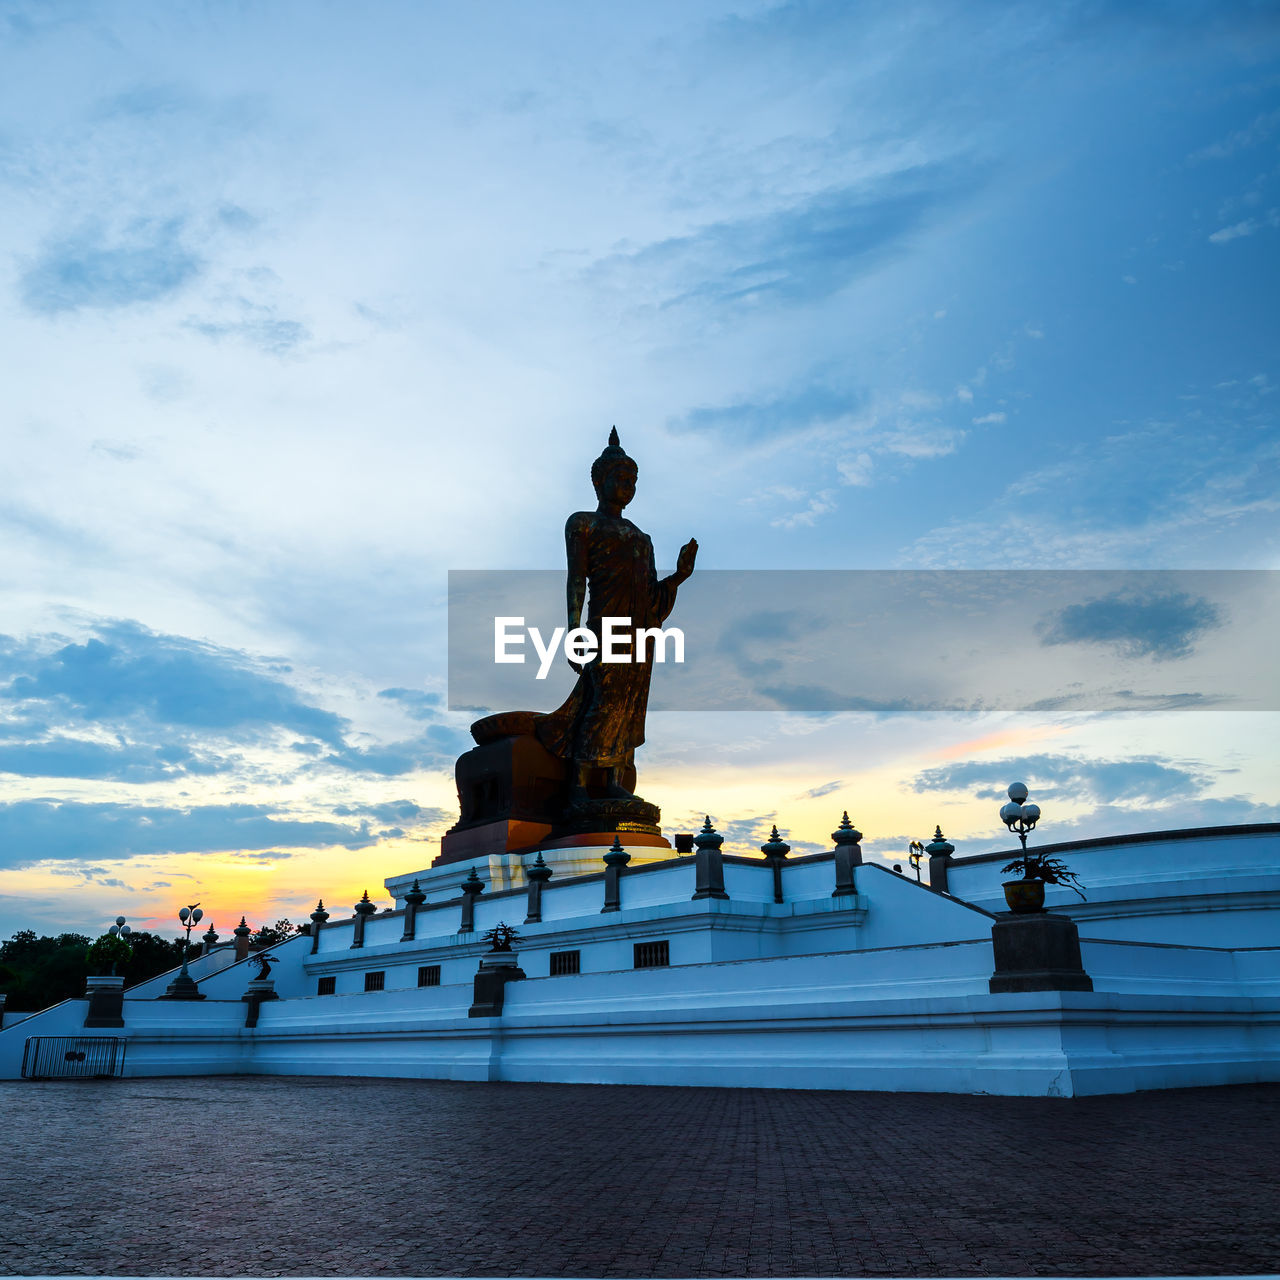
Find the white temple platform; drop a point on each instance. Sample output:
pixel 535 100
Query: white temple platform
pixel 502 871
pixel 887 987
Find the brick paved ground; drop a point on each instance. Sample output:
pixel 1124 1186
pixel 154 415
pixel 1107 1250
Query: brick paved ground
pixel 365 1177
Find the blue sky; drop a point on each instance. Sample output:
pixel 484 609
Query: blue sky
pixel 303 305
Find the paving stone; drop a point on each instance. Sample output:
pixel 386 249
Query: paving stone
pixel 309 1176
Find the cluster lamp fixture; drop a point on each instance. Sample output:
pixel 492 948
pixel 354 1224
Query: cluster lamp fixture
pixel 1019 816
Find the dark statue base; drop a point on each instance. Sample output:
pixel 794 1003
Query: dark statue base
pixel 613 814
pixel 1037 952
pixel 513 796
pixel 506 835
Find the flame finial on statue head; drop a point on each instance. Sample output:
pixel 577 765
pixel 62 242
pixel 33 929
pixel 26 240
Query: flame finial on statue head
pixel 614 456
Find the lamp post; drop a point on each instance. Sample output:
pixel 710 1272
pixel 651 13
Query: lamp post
pixel 106 990
pixel 190 917
pixel 915 852
pixel 183 986
pixel 1019 816
pixel 122 931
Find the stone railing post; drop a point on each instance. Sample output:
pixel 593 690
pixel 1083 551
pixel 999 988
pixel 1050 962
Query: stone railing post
pixel 775 851
pixel 260 990
pixel 241 934
pixel 412 901
pixel 708 863
pixel 939 850
pixel 848 855
pixel 318 917
pixel 210 940
pixel 363 909
pixel 106 1000
pixel 472 888
pixel 488 987
pixel 1039 951
pixel 537 875
pixel 614 862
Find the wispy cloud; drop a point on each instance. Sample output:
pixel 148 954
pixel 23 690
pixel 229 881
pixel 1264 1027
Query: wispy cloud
pixel 131 705
pixel 1160 626
pixel 393 812
pixel 1258 130
pixel 1246 227
pixel 437 747
pixel 819 504
pixel 95 268
pixel 257 325
pixel 816 793
pixel 799 254
pixel 798 409
pixel 66 757
pixel 856 469
pixel 1134 496
pixel 417 704
pixel 38 830
pixel 864 436
pixel 1147 778
pixel 127 672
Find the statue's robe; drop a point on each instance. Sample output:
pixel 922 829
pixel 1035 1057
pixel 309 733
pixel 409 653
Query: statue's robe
pixel 602 721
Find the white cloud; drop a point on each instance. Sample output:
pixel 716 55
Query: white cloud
pixel 989 418
pixel 819 505
pixel 1235 232
pixel 855 470
pixel 919 400
pixel 1239 230
pixel 1256 131
pixel 922 440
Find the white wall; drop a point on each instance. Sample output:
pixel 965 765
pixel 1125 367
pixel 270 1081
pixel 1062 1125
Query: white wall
pixel 65 1019
pixel 912 1017
pixel 1214 890
pixel 886 989
pixel 201 967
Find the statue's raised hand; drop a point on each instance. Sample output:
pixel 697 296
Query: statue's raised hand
pixel 684 563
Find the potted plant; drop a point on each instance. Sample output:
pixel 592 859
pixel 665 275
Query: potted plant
pixel 103 987
pixel 1037 870
pixel 501 937
pixel 106 953
pixel 496 969
pixel 501 956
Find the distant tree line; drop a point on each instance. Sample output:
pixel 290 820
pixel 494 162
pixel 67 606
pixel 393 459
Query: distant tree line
pixel 36 972
pixel 268 935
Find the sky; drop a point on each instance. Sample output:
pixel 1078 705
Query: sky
pixel 304 305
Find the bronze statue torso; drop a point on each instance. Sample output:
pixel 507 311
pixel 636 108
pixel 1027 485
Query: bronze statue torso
pixel 602 721
pixel 616 559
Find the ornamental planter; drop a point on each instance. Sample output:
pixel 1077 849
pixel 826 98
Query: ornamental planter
pixel 1024 896
pixel 112 982
pixel 496 970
